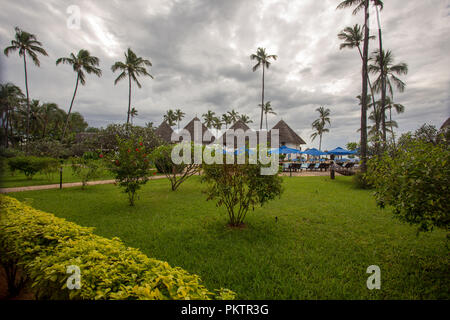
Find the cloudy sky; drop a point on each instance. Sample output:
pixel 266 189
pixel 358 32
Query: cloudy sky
pixel 200 53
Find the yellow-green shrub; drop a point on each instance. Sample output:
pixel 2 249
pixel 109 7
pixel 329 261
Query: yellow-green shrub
pixel 44 246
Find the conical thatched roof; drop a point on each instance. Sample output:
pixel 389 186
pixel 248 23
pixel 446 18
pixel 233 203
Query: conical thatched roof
pixel 446 124
pixel 236 126
pixel 190 128
pixel 164 131
pixel 287 135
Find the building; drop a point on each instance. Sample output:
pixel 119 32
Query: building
pixel 287 136
pixel 164 131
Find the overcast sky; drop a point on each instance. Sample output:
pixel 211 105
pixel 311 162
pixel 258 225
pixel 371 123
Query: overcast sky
pixel 200 53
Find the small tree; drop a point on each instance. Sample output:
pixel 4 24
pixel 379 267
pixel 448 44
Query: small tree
pixel 130 165
pixel 176 173
pixel 87 167
pixel 240 187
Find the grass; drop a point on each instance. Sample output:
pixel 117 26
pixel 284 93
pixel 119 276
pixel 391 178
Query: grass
pixel 326 235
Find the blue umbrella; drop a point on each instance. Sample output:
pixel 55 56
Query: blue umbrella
pixel 314 152
pixel 341 152
pixel 285 150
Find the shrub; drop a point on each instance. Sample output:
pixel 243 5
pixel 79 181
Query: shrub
pixel 44 246
pixel 32 165
pixel 239 187
pixel 415 180
pixel 176 173
pixel 130 165
pixel 86 168
pixel 360 181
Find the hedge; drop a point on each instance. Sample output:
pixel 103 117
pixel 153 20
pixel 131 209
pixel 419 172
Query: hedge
pixel 43 246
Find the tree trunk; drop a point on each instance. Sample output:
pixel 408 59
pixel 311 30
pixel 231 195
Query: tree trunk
pixel 383 81
pixel 70 109
pixel 320 143
pixel 262 99
pixel 6 124
pixel 364 89
pixel 267 127
pixel 28 103
pixel 129 99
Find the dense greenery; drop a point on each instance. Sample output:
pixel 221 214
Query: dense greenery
pixel 43 246
pixel 87 168
pixel 326 235
pixel 32 165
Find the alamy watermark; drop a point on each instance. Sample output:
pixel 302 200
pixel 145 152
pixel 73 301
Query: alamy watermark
pixel 73 22
pixel 374 281
pixel 74 280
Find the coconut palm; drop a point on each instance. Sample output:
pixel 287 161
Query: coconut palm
pixel 262 59
pixel 267 108
pixel 320 123
pixel 133 67
pixel 217 123
pixel 245 119
pixel 226 120
pixel 179 115
pixel 170 118
pixel 399 108
pixel 133 114
pixel 49 110
pixel 82 62
pixel 27 44
pixel 10 97
pixel 209 119
pixel 234 115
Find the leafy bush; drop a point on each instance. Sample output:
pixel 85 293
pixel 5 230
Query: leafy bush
pixel 239 187
pixel 32 165
pixel 360 181
pixel 176 173
pixel 47 148
pixel 44 246
pixel 415 180
pixel 130 165
pixel 86 168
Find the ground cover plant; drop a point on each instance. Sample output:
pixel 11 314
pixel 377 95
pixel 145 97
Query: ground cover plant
pixel 316 242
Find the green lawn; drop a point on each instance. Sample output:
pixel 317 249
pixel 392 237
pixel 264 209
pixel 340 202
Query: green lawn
pixel 326 236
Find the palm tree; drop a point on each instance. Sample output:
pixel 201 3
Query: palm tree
pixel 383 65
pixel 267 108
pixel 10 97
pixel 226 120
pixel 82 62
pixel 262 59
pixel 179 115
pixel 217 123
pixel 209 118
pixel 26 43
pixel 362 5
pixel 48 113
pixel 133 67
pixel 170 117
pixel 234 115
pixel 133 113
pixel 320 123
pixel 245 119
pixel 399 108
pixel 383 79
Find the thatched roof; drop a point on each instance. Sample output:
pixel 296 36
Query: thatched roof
pixel 236 126
pixel 164 131
pixel 446 124
pixel 190 128
pixel 287 135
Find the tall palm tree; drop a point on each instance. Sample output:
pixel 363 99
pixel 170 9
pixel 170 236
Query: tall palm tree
pixel 82 62
pixel 48 113
pixel 170 117
pixel 245 119
pixel 234 115
pixel 217 123
pixel 133 113
pixel 27 44
pixel 262 59
pixel 226 120
pixel 10 97
pixel 399 108
pixel 383 79
pixel 209 119
pixel 362 5
pixel 267 108
pixel 179 115
pixel 133 67
pixel 320 123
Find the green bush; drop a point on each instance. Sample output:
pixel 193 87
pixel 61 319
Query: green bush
pixel 360 181
pixel 87 167
pixel 44 246
pixel 32 165
pixel 415 180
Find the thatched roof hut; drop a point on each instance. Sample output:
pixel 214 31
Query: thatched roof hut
pixel 207 136
pixel 236 126
pixel 446 124
pixel 164 131
pixel 287 135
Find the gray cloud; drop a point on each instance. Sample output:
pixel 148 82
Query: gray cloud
pixel 200 53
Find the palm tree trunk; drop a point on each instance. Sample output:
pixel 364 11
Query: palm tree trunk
pixel 262 100
pixel 320 143
pixel 129 99
pixel 267 127
pixel 383 81
pixel 28 102
pixel 70 109
pixel 364 89
pixel 371 90
pixel 392 127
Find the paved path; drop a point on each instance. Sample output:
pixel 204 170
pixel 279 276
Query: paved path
pixel 65 185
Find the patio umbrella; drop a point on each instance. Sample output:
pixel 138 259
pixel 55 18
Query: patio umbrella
pixel 285 150
pixel 314 152
pixel 341 152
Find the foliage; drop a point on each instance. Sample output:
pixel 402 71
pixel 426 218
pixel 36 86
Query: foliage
pixel 87 167
pixel 360 181
pixel 48 148
pixel 130 165
pixel 415 180
pixel 240 187
pixel 176 173
pixel 44 246
pixel 31 165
